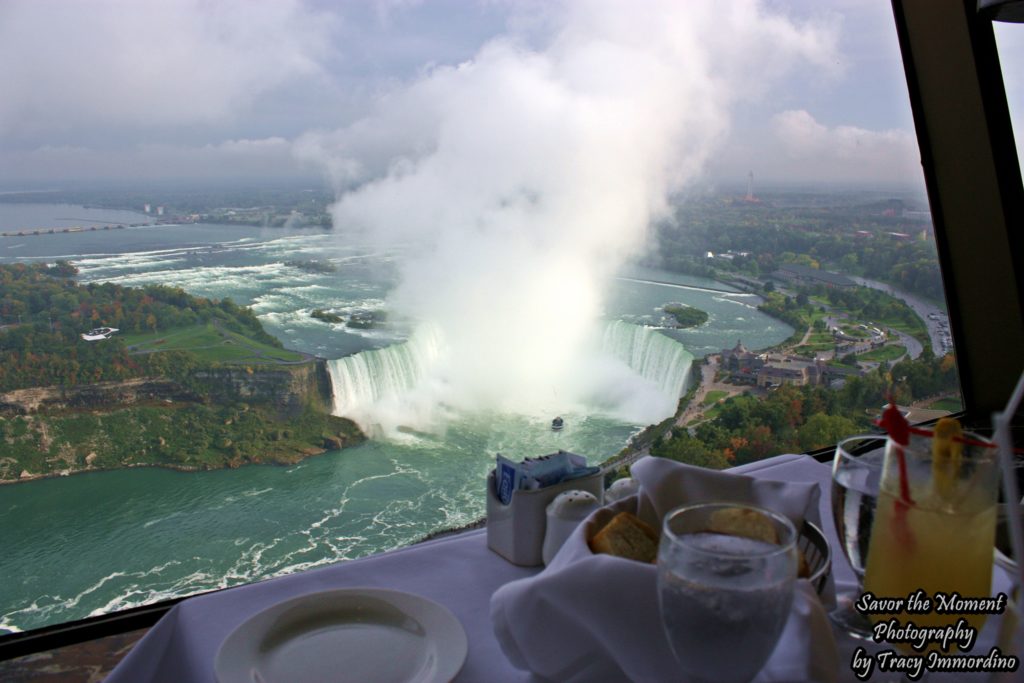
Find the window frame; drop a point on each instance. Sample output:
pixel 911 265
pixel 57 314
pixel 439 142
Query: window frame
pixel 973 179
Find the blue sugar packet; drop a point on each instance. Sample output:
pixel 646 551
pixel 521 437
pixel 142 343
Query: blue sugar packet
pixel 548 469
pixel 508 477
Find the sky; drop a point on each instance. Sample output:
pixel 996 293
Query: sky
pixel 229 90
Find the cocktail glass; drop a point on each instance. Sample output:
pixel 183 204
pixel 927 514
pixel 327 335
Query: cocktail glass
pixel 856 476
pixel 724 598
pixel 934 525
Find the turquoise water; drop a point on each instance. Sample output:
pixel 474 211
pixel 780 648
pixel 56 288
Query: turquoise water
pixel 93 543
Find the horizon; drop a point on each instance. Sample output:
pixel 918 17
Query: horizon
pixel 316 184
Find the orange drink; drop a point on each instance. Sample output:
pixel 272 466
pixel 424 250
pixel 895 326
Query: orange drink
pixel 934 526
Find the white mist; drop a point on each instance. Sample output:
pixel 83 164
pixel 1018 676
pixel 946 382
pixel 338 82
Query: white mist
pixel 526 176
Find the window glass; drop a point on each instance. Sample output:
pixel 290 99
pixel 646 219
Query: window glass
pixel 1010 43
pixel 277 298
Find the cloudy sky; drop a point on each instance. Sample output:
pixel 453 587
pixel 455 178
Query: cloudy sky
pixel 268 89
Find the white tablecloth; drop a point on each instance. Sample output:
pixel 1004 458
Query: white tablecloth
pixel 459 572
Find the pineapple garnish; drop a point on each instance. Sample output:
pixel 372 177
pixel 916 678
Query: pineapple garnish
pixel 947 452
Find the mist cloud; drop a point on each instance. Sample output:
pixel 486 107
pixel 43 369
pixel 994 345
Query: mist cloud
pixel 526 175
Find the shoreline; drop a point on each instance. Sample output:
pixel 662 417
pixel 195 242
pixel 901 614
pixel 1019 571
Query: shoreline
pixel 269 462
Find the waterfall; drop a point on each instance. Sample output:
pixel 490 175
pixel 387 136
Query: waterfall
pixel 364 378
pixel 651 354
pixel 376 387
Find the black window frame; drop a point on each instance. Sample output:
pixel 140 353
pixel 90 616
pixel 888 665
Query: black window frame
pixel 973 179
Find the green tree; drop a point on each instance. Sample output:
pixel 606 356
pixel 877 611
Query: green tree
pixel 684 448
pixel 821 430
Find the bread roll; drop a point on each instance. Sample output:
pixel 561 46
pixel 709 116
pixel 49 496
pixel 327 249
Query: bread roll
pixel 744 522
pixel 627 536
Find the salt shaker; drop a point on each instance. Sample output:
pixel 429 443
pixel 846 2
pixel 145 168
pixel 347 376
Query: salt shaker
pixel 565 513
pixel 621 488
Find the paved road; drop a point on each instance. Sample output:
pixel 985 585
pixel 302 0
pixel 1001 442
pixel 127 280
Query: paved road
pixel 923 308
pixel 914 347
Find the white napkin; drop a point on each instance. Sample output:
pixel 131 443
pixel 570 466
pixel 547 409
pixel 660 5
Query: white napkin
pixel 590 617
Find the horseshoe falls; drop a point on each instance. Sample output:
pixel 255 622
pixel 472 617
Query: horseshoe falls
pixel 636 373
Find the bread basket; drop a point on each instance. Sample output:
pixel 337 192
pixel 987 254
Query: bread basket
pixel 815 548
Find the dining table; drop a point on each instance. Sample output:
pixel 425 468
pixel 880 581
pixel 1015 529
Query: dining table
pixel 458 572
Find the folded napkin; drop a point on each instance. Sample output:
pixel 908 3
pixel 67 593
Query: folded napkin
pixel 592 617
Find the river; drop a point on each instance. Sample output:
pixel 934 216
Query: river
pixel 92 543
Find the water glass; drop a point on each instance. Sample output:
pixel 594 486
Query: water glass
pixel 856 477
pixel 724 597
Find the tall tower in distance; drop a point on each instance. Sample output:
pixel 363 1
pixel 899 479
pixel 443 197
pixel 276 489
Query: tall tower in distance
pixel 750 187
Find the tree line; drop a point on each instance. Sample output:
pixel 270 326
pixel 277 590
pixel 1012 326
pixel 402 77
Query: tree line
pixel 796 419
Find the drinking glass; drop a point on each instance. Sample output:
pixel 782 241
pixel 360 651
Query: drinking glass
pixel 934 527
pixel 724 598
pixel 856 476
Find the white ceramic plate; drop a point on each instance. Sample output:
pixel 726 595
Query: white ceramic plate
pixel 358 634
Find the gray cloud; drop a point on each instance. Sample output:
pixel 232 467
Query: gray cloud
pixel 812 150
pixel 113 63
pixel 115 88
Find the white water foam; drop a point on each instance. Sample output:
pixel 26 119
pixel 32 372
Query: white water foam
pixel 203 280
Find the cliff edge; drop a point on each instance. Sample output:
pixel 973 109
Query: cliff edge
pixel 225 416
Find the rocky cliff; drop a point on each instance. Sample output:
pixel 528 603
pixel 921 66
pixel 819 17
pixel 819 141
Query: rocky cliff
pixel 288 389
pixel 217 417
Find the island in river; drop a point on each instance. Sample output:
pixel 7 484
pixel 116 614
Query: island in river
pixel 186 382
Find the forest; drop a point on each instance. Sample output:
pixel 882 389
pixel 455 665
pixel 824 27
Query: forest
pixel 871 239
pixel 43 313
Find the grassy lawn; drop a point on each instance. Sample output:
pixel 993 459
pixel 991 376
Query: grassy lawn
pixel 714 396
pixel 208 344
pixel 952 404
pixel 821 338
pixel 818 341
pixel 814 345
pixel 887 352
pixel 268 351
pixel 176 339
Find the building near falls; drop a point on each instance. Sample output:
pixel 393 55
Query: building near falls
pixel 794 370
pixel 740 363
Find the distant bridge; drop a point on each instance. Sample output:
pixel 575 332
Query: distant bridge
pixel 27 232
pixel 690 287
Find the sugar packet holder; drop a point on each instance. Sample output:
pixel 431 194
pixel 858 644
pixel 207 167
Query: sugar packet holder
pixel 516 530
